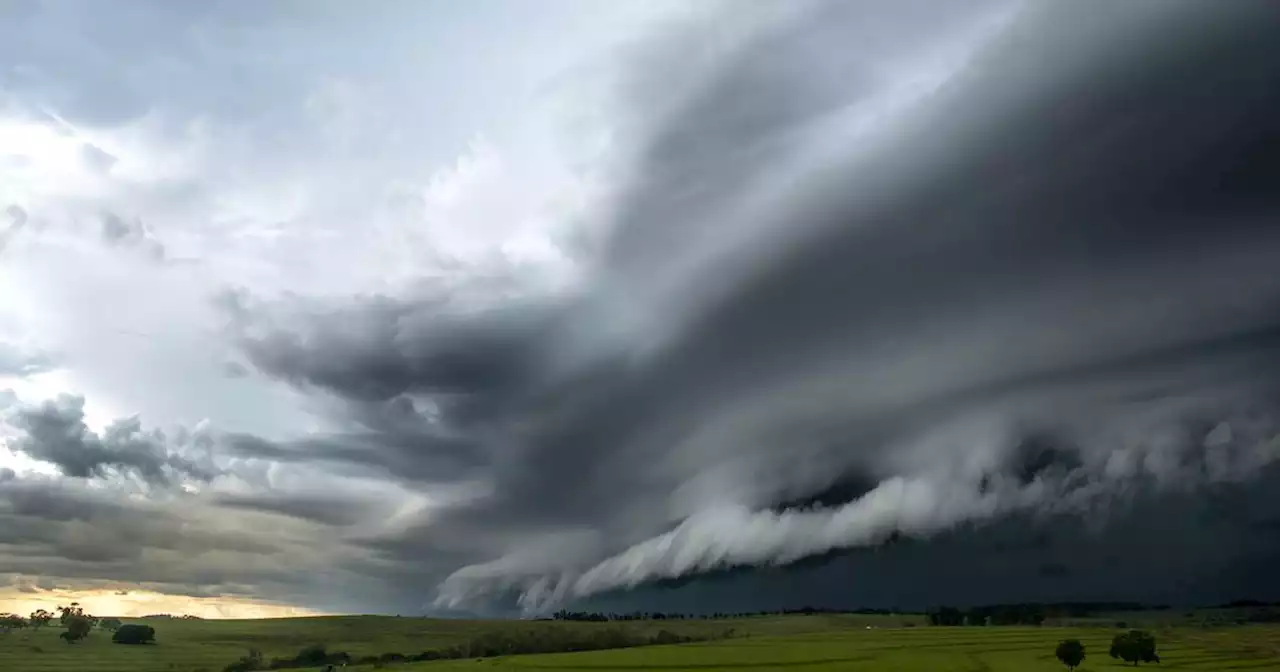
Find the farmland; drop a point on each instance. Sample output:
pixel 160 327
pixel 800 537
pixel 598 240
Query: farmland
pixel 820 642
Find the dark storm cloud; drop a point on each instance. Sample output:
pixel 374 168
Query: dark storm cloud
pixel 1158 550
pixel 55 432
pixel 319 508
pixel 713 134
pixel 1043 285
pixel 46 518
pixel 390 347
pixel 419 457
pixel 391 438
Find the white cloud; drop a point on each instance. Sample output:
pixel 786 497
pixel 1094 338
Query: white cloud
pixel 342 185
pixel 153 156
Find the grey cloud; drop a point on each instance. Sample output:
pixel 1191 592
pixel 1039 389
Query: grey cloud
pixel 713 138
pixel 421 457
pixel 55 432
pixel 17 220
pixel 97 158
pixel 1158 550
pixel 233 369
pixel 76 537
pixel 1043 286
pixel 399 437
pixel 18 362
pixel 117 231
pixel 7 474
pixel 17 217
pixel 319 508
pixel 391 347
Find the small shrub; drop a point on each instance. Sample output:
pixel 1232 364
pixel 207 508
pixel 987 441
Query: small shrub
pixel 666 637
pixel 134 634
pixel 251 662
pixel 312 656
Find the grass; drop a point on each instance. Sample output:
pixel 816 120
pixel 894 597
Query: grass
pixel 794 643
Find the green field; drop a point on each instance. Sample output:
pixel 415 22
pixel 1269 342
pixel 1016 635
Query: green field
pixel 799 643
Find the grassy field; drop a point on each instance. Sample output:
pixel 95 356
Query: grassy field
pixel 910 650
pixel 797 643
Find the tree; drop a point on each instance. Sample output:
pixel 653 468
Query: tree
pixel 109 624
pixel 947 616
pixel 134 634
pixel 68 612
pixel 312 655
pixel 11 622
pixel 1070 652
pixel 1135 646
pixel 78 627
pixel 40 618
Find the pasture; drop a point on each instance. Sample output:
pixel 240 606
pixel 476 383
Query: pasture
pixel 998 649
pixel 796 643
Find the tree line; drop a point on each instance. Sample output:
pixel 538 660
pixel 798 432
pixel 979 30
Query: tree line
pixel 78 625
pixel 1134 646
pixel 493 644
pixel 1031 613
pixel 604 617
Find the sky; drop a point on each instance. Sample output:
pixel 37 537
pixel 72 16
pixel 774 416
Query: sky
pixel 491 308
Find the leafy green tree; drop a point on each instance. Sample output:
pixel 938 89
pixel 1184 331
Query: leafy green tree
pixel 40 618
pixel 78 627
pixel 11 622
pixel 69 612
pixel 1135 646
pixel 1070 652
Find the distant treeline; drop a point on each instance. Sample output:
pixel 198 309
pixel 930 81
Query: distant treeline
pixel 1031 613
pixel 602 617
pixel 1260 612
pixel 546 640
pixel 181 617
pixel 1247 604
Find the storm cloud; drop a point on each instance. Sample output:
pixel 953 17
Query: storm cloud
pixel 77 537
pixel 814 295
pixel 55 432
pixel 1036 277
